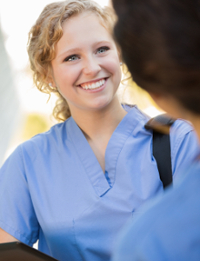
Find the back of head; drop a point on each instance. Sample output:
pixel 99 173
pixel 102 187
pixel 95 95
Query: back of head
pixel 160 41
pixel 44 36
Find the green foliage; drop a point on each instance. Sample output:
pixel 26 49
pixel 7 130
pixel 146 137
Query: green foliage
pixel 34 124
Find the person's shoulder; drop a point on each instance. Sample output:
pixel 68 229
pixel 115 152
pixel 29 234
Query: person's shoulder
pixel 183 138
pixel 182 127
pixel 55 136
pixel 138 117
pixel 56 131
pixel 175 225
pixel 167 222
pixel 171 205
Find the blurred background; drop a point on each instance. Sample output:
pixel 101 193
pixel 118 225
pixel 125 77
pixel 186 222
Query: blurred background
pixel 24 111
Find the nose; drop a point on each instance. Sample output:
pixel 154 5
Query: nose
pixel 91 66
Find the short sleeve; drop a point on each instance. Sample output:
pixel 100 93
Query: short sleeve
pixel 17 215
pixel 184 145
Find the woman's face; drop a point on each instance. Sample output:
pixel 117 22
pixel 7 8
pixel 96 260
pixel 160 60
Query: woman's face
pixel 86 68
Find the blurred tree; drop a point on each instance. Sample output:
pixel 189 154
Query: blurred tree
pixel 9 104
pixel 34 124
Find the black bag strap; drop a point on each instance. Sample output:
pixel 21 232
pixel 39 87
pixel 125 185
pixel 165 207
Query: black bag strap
pixel 160 125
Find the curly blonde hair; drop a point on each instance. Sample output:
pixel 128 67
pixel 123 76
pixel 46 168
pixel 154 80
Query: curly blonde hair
pixel 44 36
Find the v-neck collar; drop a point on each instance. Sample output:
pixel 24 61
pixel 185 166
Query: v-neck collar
pixel 101 182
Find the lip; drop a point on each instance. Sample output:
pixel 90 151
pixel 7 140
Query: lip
pixel 97 89
pixel 93 81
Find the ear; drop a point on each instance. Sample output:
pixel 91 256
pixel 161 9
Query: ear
pixel 51 82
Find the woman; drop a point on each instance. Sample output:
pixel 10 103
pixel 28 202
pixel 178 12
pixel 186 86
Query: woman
pixel 160 42
pixel 75 186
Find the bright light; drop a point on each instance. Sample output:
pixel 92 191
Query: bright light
pixel 16 20
pixel 17 17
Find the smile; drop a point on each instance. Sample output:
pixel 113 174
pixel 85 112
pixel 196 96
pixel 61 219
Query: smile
pixel 93 86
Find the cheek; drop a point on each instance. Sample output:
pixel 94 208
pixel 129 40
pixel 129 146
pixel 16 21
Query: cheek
pixel 113 66
pixel 65 77
pixel 117 72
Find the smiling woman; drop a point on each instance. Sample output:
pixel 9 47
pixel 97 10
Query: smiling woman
pixel 75 186
pixel 58 39
pixel 86 67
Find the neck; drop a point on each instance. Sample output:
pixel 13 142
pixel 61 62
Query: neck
pixel 99 123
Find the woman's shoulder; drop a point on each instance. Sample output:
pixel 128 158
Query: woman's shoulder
pixel 182 135
pixel 40 146
pixel 54 133
pixel 182 126
pixel 136 115
pixel 54 137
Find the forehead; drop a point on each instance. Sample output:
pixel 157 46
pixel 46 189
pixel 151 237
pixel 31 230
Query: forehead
pixel 85 22
pixel 82 32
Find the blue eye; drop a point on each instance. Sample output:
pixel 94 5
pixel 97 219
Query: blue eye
pixel 71 58
pixel 102 49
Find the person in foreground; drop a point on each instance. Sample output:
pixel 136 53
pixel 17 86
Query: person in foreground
pixel 160 42
pixel 74 187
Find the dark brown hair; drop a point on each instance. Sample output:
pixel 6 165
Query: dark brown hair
pixel 160 42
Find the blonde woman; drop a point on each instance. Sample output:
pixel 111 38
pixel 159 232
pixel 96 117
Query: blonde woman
pixel 75 186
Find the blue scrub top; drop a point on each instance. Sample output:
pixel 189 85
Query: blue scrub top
pixel 52 187
pixel 169 226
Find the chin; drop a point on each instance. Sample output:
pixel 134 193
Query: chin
pixel 101 104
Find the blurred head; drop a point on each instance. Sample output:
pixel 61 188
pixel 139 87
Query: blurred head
pixel 160 43
pixel 46 33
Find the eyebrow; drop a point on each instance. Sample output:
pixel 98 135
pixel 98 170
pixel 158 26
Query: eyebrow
pixel 75 50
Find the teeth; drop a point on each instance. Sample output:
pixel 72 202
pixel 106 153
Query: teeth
pixel 93 85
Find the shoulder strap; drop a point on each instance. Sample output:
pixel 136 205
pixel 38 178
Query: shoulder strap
pixel 161 146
